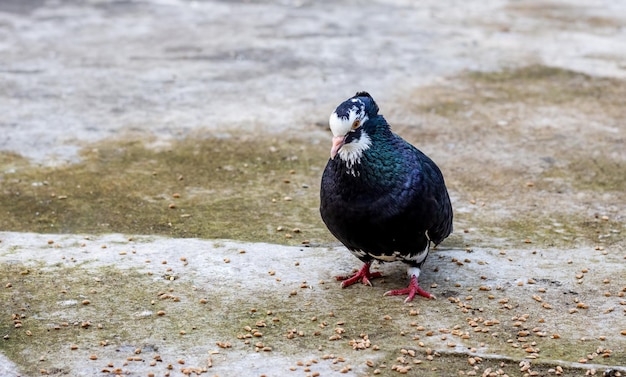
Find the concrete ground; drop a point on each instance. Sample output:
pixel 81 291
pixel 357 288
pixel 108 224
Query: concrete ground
pixel 159 174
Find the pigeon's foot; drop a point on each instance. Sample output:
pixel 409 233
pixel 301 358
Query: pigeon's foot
pixel 411 291
pixel 364 275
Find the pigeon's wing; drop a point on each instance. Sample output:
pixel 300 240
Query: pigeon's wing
pixel 428 197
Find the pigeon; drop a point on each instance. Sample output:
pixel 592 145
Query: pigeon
pixel 380 196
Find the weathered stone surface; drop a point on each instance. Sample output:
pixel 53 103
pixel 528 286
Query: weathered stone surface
pixel 107 106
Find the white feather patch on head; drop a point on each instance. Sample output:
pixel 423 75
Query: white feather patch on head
pixel 342 125
pixel 339 126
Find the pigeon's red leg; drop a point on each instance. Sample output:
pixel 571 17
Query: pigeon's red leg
pixel 411 290
pixel 364 275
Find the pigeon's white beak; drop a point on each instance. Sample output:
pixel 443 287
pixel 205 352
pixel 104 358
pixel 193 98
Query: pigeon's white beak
pixel 338 142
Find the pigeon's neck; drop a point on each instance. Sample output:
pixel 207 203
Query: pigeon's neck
pixel 351 154
pixel 366 156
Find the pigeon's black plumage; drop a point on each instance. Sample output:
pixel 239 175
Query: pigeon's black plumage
pixel 380 196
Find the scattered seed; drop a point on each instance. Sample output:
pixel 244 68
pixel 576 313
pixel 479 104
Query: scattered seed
pixel 223 344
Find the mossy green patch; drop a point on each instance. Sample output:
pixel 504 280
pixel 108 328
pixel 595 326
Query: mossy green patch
pixel 536 85
pixel 526 148
pixel 560 229
pixel 483 128
pixel 544 84
pixel 595 173
pixel 212 188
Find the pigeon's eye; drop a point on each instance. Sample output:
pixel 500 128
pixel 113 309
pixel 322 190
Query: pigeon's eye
pixel 356 124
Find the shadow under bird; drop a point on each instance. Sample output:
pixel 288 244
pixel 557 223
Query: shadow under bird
pixel 380 196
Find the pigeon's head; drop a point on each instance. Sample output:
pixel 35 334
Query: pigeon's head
pixel 346 124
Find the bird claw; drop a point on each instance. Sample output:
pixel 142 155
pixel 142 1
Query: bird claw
pixel 364 275
pixel 366 281
pixel 412 290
